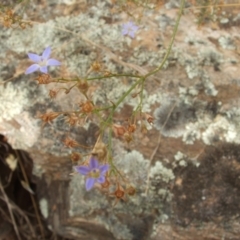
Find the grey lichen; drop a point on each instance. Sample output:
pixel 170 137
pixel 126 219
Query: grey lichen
pixel 226 42
pixel 133 164
pixel 172 116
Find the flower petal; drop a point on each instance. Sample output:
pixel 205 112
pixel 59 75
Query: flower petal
pixel 84 170
pixel 104 168
pixel 53 62
pixel 101 179
pixel 32 68
pixel 46 53
pixel 127 25
pixel 44 69
pixel 89 183
pixel 93 163
pixel 34 57
pixel 125 31
pixel 131 34
pixel 135 28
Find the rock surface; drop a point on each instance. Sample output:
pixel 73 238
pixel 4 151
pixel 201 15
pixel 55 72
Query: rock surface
pixel 188 162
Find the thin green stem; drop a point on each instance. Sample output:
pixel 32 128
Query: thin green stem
pixel 120 100
pixel 171 42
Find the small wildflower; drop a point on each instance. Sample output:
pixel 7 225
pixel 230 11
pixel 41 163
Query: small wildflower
pixel 129 29
pixel 41 62
pixel 94 173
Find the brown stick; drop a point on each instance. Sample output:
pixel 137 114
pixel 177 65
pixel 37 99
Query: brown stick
pixel 10 211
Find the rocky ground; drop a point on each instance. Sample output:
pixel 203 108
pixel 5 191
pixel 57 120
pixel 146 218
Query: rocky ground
pixel 185 169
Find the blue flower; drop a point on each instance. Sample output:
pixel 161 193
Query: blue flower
pixel 129 29
pixel 94 173
pixel 41 62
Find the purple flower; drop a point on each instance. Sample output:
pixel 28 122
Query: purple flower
pixel 129 29
pixel 94 172
pixel 42 62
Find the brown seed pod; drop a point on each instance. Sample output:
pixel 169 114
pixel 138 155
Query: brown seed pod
pixel 128 137
pixel 87 107
pixel 72 119
pixel 106 184
pixel 83 86
pixel 43 79
pixel 96 66
pixel 118 130
pixel 75 157
pixel 49 117
pixel 130 190
pixel 119 193
pixel 68 142
pixel 52 93
pixel 132 128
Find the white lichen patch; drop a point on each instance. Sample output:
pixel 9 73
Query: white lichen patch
pixel 180 160
pixel 38 170
pixel 13 100
pixel 226 42
pixel 192 133
pixel 44 207
pixel 192 71
pixel 221 129
pixel 160 172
